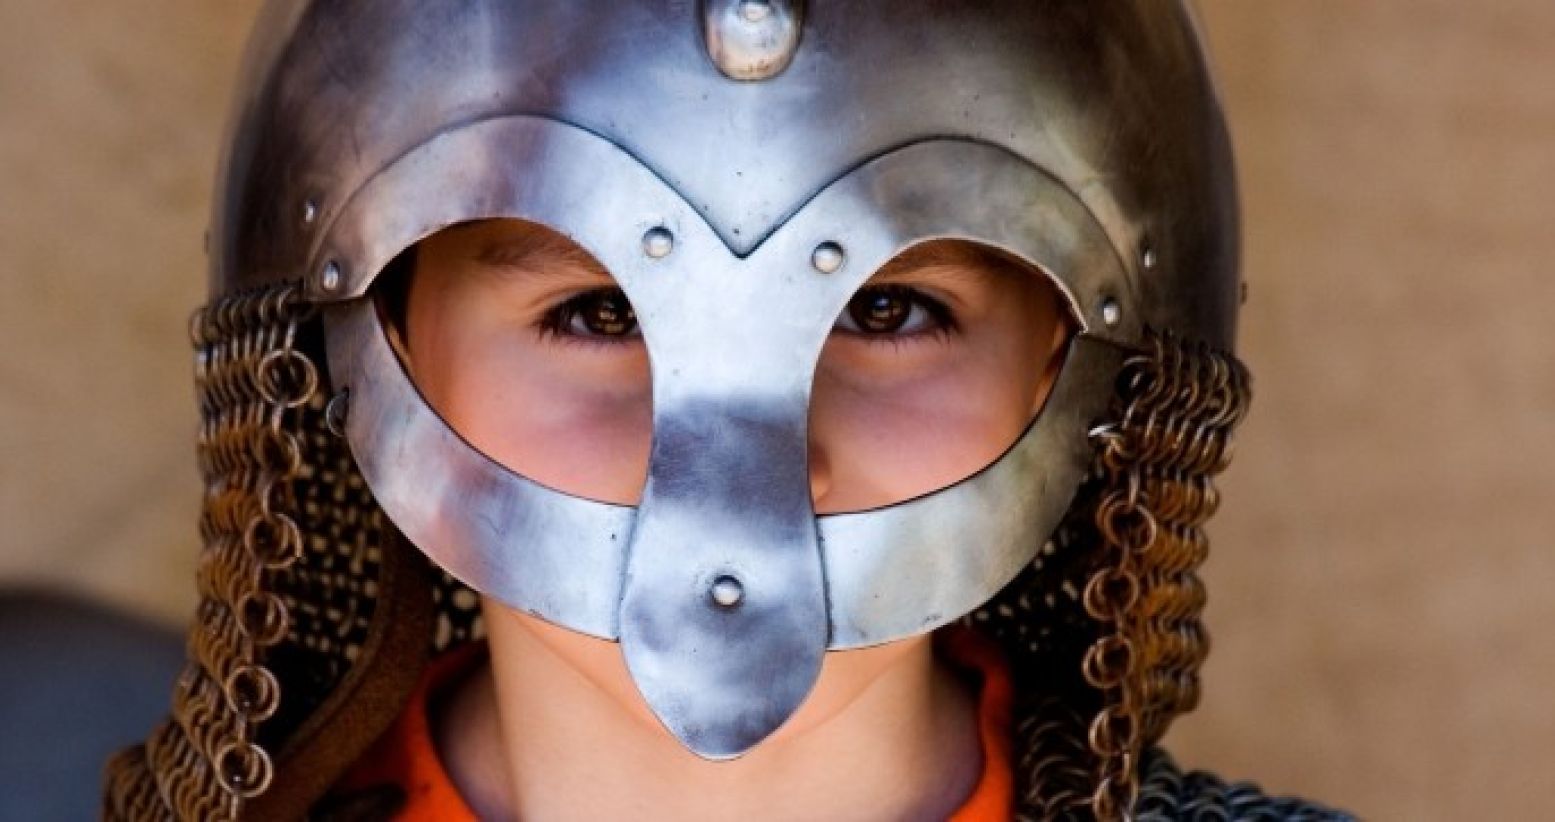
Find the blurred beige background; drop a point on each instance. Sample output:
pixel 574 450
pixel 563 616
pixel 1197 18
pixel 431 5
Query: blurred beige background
pixel 1382 571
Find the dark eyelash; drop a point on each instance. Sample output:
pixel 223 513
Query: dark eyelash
pixel 944 319
pixel 555 324
pixel 556 320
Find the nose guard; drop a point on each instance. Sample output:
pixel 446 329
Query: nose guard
pixel 723 617
pixel 723 587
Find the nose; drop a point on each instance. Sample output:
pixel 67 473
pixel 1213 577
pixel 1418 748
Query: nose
pixel 820 476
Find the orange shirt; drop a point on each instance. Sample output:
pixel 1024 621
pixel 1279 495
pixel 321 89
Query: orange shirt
pixel 405 755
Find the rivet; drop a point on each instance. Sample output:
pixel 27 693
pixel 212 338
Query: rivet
pixel 310 212
pixel 658 242
pixel 755 11
pixel 727 591
pixel 1244 292
pixel 1147 257
pixel 1111 312
pixel 331 277
pixel 752 40
pixel 827 258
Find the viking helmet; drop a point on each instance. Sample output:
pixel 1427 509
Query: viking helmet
pixel 727 160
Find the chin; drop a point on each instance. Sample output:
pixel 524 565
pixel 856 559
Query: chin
pixel 846 676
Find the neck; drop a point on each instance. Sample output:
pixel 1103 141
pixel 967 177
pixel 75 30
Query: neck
pixel 575 742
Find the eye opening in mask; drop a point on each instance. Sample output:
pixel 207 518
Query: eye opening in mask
pixel 968 343
pixel 488 320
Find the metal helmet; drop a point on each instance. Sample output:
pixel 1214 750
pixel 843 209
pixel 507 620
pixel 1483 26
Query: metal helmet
pixel 724 160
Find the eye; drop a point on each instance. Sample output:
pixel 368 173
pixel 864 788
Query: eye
pixel 602 313
pixel 893 309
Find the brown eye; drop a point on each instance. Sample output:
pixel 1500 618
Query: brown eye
pixel 602 313
pixel 896 311
pixel 881 310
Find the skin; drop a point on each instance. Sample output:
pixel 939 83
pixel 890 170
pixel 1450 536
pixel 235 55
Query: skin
pixel 515 338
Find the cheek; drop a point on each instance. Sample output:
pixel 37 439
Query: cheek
pixel 887 441
pixel 576 420
pixel 890 426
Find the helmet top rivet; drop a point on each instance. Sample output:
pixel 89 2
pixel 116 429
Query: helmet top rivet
pixel 727 591
pixel 1147 256
pixel 827 257
pixel 752 40
pixel 658 242
pixel 310 212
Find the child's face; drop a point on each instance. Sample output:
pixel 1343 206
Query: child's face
pixel 525 347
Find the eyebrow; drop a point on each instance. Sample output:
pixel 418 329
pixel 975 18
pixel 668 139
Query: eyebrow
pixel 935 266
pixel 963 271
pixel 539 256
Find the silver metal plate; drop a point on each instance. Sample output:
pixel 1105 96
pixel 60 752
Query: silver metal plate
pixel 733 343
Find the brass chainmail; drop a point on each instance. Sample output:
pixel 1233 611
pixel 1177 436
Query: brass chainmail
pixel 1170 440
pixel 205 761
pixel 1104 623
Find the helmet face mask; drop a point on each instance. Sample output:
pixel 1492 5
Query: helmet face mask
pixel 740 199
pixel 734 343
